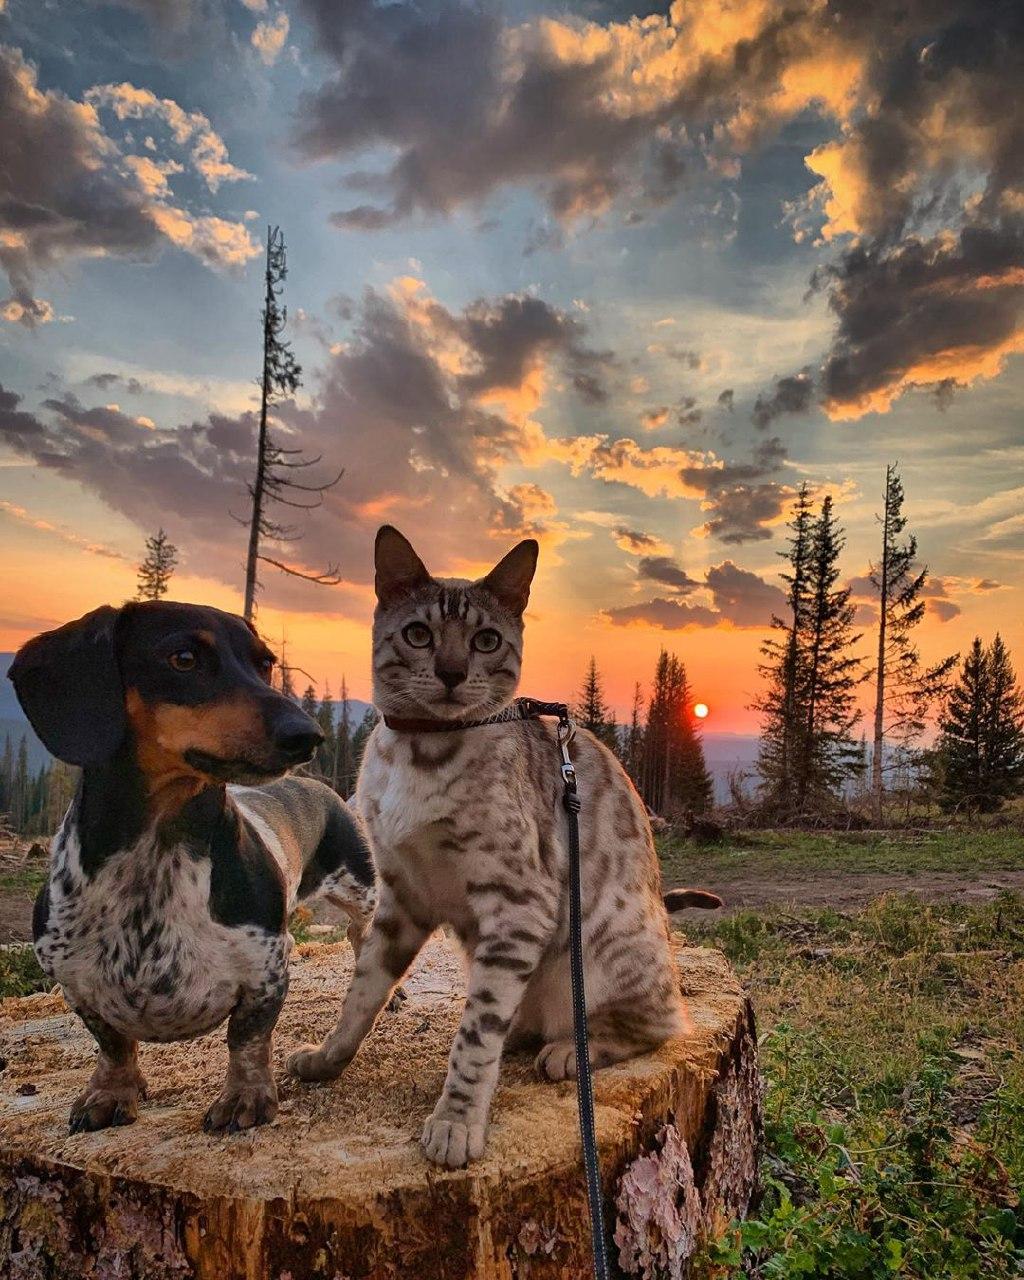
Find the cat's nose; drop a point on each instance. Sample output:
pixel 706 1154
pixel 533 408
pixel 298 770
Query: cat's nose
pixel 451 677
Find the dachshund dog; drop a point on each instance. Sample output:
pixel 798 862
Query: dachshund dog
pixel 169 892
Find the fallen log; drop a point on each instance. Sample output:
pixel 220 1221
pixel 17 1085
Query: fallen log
pixel 336 1188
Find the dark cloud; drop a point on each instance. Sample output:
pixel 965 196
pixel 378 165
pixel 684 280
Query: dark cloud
pixel 105 381
pixel 741 500
pixel 664 569
pixel 727 399
pixel 635 540
pixel 406 406
pixel 17 426
pixel 905 310
pixel 687 413
pixel 739 598
pixel 943 610
pixel 669 615
pixel 466 104
pixel 792 394
pixel 742 597
pixel 987 584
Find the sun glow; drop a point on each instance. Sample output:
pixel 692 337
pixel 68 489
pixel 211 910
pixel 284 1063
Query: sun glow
pixel 700 710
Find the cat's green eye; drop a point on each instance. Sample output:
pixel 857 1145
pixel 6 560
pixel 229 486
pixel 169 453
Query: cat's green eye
pixel 487 641
pixel 419 635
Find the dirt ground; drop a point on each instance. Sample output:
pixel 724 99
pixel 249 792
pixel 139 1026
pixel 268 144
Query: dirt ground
pixel 840 889
pixel 849 890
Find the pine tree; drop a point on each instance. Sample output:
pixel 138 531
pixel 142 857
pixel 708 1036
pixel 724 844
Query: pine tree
pixel 674 776
pixel 324 759
pixel 276 465
pixel 633 739
pixel 20 802
pixel 980 751
pixel 309 702
pixel 345 774
pixel 6 775
pixel 826 755
pixel 784 668
pixel 591 711
pixel 157 567
pixel 904 689
pixel 363 731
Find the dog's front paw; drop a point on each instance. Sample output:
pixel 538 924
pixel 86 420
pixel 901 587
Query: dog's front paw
pixel 453 1140
pixel 242 1106
pixel 101 1106
pixel 310 1063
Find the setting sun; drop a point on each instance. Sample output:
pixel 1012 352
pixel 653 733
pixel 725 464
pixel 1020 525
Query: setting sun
pixel 700 710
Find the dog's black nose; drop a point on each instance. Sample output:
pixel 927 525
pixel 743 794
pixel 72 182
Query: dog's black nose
pixel 298 741
pixel 451 677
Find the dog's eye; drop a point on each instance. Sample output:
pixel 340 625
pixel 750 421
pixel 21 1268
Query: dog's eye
pixel 487 641
pixel 183 660
pixel 418 634
pixel 266 666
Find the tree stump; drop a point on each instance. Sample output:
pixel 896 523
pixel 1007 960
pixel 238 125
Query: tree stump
pixel 336 1188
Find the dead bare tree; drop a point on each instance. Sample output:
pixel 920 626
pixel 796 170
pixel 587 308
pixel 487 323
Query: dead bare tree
pixel 277 467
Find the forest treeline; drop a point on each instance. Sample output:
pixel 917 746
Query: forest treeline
pixel 816 758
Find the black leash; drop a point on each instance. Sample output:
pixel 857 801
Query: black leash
pixel 531 709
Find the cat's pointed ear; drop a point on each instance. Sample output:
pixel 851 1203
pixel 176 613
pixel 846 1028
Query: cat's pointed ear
pixel 398 569
pixel 509 580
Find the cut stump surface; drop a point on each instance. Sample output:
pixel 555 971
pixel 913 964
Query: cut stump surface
pixel 337 1188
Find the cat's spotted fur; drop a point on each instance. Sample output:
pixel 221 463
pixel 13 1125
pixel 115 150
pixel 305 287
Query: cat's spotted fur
pixel 468 830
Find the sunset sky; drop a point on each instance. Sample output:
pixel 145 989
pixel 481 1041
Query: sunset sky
pixel 619 278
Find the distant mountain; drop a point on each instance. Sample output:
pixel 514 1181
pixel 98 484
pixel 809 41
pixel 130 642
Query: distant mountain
pixel 13 722
pixel 726 753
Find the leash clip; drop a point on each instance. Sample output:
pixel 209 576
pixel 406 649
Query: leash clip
pixel 566 733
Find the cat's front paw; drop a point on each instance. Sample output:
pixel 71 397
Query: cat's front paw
pixel 311 1064
pixel 453 1140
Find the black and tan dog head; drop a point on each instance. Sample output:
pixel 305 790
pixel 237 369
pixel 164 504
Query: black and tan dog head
pixel 185 687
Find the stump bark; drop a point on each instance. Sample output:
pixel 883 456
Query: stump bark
pixel 336 1188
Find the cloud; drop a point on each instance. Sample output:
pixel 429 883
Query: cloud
pixel 739 599
pixel 639 543
pixel 741 500
pixel 987 584
pixel 463 102
pixel 926 312
pixel 665 570
pixel 792 394
pixel 653 419
pixel 269 38
pixel 189 129
pixel 68 189
pixel 105 380
pixel 423 406
pixel 727 399
pixel 60 532
pixel 918 188
pixel 943 610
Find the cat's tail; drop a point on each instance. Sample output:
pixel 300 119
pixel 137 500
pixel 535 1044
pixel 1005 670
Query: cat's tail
pixel 677 899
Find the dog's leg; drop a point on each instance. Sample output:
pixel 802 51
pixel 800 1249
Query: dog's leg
pixel 249 1096
pixel 112 1095
pixel 390 947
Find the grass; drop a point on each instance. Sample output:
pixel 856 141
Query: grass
pixel 764 853
pixel 25 880
pixel 892 1045
pixel 20 974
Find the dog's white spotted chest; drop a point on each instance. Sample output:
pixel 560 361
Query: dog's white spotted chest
pixel 135 944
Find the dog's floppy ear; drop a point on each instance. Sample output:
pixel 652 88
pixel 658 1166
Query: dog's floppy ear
pixel 399 570
pixel 69 686
pixel 510 578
